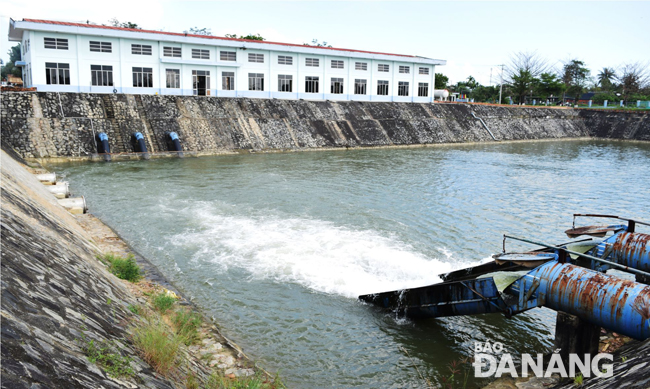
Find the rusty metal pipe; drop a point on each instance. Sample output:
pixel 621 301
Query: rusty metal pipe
pixel 611 302
pixel 629 249
pixel 612 264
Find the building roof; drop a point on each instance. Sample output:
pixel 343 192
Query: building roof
pixel 408 58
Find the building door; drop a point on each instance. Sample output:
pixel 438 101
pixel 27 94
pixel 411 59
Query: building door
pixel 201 82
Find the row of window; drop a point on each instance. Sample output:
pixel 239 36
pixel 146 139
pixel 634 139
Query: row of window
pixel 102 75
pixel 138 49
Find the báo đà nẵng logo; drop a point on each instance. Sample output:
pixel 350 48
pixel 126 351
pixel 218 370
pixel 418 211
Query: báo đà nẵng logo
pixel 492 360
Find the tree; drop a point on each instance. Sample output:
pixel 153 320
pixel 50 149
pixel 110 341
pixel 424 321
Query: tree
pixel 575 76
pixel 522 83
pixel 606 78
pixel 549 85
pixel 10 67
pixel 529 62
pixel 116 23
pixel 315 42
pixel 634 78
pixel 256 37
pixel 200 31
pixel 441 81
pixel 485 94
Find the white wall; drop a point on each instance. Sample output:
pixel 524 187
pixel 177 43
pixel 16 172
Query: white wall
pixel 80 58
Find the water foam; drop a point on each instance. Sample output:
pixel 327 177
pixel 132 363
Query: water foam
pixel 316 254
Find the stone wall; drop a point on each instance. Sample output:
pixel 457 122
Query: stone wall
pixel 55 293
pixel 46 125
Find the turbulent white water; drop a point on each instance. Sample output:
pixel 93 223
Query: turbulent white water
pixel 316 254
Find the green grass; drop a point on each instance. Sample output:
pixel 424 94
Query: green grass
pixel 187 324
pixel 258 381
pixel 578 380
pixel 123 268
pixel 163 302
pixel 157 345
pixel 135 309
pixel 105 355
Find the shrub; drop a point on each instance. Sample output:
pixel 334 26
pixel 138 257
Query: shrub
pixel 156 344
pixel 187 324
pixel 123 268
pixel 105 355
pixel 162 302
pixel 135 309
pixel 258 381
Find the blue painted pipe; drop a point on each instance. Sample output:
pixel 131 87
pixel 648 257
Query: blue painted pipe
pixel 611 302
pixel 627 248
pixel 174 143
pixel 103 147
pixel 139 144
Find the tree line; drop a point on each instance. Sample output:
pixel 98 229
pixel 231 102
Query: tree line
pixel 529 76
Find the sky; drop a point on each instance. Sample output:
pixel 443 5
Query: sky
pixel 473 37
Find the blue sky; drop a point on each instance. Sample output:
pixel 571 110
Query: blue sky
pixel 474 37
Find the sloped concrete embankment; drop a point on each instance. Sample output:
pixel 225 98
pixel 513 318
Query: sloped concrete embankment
pixel 53 289
pixel 631 125
pixel 57 298
pixel 50 125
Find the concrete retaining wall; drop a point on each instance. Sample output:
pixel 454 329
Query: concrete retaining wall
pixel 48 125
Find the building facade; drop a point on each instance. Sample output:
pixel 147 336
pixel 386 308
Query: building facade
pixel 76 57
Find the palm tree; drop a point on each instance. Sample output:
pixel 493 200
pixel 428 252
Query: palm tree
pixel 606 78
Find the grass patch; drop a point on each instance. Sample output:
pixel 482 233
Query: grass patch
pixel 123 268
pixel 258 381
pixel 187 324
pixel 163 302
pixel 158 346
pixel 106 356
pixel 135 309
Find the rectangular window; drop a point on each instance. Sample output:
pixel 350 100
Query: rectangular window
pixel 405 69
pixel 337 85
pixel 382 88
pixel 312 62
pixel 143 77
pixel 201 82
pixel 423 89
pixel 101 47
pixel 228 80
pixel 169 51
pixel 285 83
pixel 255 81
pixel 173 78
pixel 141 49
pixel 56 43
pixel 101 75
pixel 361 66
pixel 360 87
pixel 424 71
pixel 311 84
pixel 285 60
pixel 57 73
pixel 200 54
pixel 383 68
pixel 403 88
pixel 228 56
pixel 258 58
pixel 337 64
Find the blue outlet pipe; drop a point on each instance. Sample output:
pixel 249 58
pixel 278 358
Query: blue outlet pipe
pixel 103 147
pixel 611 302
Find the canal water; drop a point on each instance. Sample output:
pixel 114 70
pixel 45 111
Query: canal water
pixel 278 246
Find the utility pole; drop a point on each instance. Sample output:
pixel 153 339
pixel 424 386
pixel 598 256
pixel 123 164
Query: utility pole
pixel 501 86
pixel 490 76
